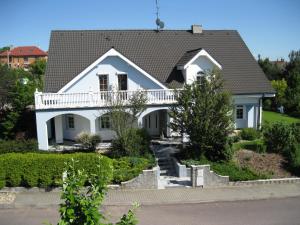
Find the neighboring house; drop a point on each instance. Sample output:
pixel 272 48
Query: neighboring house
pixel 85 67
pixel 22 56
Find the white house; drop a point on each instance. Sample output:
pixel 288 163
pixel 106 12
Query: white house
pixel 85 68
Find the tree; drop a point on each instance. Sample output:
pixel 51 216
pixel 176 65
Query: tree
pixel 5 48
pixel 204 112
pixel 38 71
pixel 124 111
pixel 81 205
pixel 272 70
pixel 17 96
pixel 292 76
pixel 280 87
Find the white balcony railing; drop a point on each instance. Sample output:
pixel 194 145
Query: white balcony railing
pixel 99 99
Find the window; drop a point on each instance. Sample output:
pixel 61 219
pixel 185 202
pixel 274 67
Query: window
pixel 200 77
pixel 70 122
pixel 149 120
pixel 105 122
pixel 240 112
pixel 25 59
pixel 103 80
pixel 122 82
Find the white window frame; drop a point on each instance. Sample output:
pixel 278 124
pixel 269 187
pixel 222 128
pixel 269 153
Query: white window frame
pixel 199 75
pixel 100 122
pixel 244 112
pixel 70 116
pixel 107 80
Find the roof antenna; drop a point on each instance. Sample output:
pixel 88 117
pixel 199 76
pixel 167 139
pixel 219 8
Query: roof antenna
pixel 159 24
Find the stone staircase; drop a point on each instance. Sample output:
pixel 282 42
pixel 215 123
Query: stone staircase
pixel 168 176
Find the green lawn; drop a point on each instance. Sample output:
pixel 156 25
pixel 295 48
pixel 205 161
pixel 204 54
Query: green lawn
pixel 272 117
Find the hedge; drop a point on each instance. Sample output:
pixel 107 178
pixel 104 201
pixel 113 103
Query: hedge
pixel 22 146
pixel 126 168
pixel 45 170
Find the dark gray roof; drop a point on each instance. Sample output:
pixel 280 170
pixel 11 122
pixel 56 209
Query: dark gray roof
pixel 158 53
pixel 187 57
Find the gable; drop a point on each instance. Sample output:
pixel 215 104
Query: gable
pixel 111 64
pixel 157 53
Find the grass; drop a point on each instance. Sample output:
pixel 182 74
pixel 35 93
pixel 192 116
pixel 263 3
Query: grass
pixel 271 117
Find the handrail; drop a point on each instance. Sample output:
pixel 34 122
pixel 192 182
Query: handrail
pixel 100 99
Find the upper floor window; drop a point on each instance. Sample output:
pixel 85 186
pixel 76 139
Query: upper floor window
pixel 103 80
pixel 239 112
pixel 122 82
pixel 70 121
pixel 200 78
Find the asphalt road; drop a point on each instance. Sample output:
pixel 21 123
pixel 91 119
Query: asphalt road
pixel 260 212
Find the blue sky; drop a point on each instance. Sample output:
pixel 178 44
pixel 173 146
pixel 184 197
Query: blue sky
pixel 270 28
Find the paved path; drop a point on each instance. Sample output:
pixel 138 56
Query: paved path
pixel 258 212
pixel 167 196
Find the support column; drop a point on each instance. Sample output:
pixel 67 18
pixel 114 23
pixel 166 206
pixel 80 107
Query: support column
pixel 59 138
pixel 42 133
pixel 92 126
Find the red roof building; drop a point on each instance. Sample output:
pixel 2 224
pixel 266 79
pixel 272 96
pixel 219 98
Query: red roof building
pixel 22 56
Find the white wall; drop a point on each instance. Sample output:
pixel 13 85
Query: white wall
pixel 251 110
pixel 112 66
pixel 202 63
pixel 80 125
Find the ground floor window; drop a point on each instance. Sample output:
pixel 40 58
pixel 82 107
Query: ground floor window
pixel 70 121
pixel 105 122
pixel 239 112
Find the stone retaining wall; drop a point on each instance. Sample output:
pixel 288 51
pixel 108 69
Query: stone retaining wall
pixel 181 170
pixel 202 176
pixel 266 181
pixel 148 179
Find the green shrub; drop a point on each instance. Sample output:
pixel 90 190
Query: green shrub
pixel 2 177
pixel 235 172
pixel 7 146
pixel 135 142
pixel 126 168
pixel 256 146
pixel 279 137
pixel 249 134
pixel 234 139
pixel 88 141
pixel 267 104
pixel 45 170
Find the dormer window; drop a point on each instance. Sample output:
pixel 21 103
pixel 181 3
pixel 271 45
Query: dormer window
pixel 200 78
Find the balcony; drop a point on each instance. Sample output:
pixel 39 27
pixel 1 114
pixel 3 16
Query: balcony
pixel 99 99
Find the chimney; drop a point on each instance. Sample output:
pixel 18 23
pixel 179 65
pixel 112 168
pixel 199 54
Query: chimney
pixel 197 29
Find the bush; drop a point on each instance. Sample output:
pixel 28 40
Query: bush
pixel 279 137
pixel 267 104
pixel 230 169
pixel 234 139
pixel 126 168
pixel 88 141
pixel 293 157
pixel 256 146
pixel 249 134
pixel 45 170
pixel 8 146
pixel 135 142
